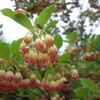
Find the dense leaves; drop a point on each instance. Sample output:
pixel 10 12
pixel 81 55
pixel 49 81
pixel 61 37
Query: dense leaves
pixel 82 92
pixel 93 87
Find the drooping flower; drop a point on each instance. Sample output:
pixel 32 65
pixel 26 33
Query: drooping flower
pixel 53 52
pixel 43 59
pixel 27 38
pixel 32 57
pixel 48 40
pixel 39 44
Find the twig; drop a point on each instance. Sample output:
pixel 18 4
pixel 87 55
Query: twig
pixel 36 94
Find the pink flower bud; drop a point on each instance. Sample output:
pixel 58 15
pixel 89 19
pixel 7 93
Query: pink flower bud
pixel 9 76
pixel 27 38
pixel 31 57
pixel 1 61
pixel 44 50
pixel 48 40
pixel 43 59
pixel 74 73
pixel 18 77
pixel 45 83
pixel 53 52
pixel 2 75
pixel 39 44
pixel 32 79
pixel 25 83
pixel 24 48
pixel 38 83
pixel 52 86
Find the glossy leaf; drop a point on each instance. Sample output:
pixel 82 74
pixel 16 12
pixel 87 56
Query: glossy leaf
pixel 50 25
pixel 4 50
pixel 45 15
pixel 49 71
pixel 89 84
pixel 58 41
pixel 14 47
pixel 64 58
pixel 38 75
pixel 18 17
pixel 72 37
pixel 82 92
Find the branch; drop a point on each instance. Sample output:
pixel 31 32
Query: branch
pixel 36 94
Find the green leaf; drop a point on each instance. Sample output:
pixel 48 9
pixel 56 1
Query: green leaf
pixel 58 41
pixel 49 71
pixel 45 15
pixel 82 92
pixel 18 17
pixel 89 84
pixel 14 47
pixel 72 36
pixel 4 50
pixel 50 25
pixel 38 75
pixel 28 94
pixel 64 58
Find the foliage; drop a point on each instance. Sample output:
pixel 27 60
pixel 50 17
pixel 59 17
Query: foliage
pixel 35 67
pixel 88 91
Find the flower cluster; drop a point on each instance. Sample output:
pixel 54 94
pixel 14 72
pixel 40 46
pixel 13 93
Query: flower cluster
pixel 32 81
pixel 91 56
pixel 11 82
pixel 41 51
pixel 55 83
pixel 73 50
